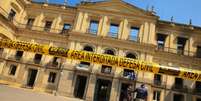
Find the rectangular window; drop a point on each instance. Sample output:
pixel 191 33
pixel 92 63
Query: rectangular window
pixel 11 15
pixel 181 45
pixel 198 52
pixel 161 41
pixel 66 28
pixel 12 70
pixel 30 22
pixel 134 34
pixel 178 83
pixel 37 58
pixel 52 77
pixel 156 95
pixel 114 28
pixel 48 25
pixel 93 28
pixel 55 61
pixel 178 97
pixel 18 55
pixel 198 87
pixel 130 74
pixel 1 51
pixel 106 69
pixel 157 79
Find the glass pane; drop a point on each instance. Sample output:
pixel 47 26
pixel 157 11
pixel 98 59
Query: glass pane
pixel 114 28
pixel 66 26
pixel 93 27
pixel 134 33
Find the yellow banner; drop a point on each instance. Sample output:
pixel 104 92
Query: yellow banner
pixel 103 59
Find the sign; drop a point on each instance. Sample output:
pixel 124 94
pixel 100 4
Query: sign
pixel 103 59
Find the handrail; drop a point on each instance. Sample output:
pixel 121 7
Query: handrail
pixel 34 27
pixel 178 51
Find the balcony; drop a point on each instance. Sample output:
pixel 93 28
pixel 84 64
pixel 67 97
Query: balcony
pixel 93 31
pixel 158 83
pixel 83 67
pixel 37 61
pixel 113 35
pixel 177 51
pixel 133 38
pixel 52 65
pixel 197 91
pixel 15 57
pixel 180 88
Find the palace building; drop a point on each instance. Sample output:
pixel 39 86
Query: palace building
pixel 111 27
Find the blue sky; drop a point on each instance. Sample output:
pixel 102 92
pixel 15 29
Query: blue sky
pixel 182 10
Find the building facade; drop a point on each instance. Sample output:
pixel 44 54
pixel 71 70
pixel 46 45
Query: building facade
pixel 107 27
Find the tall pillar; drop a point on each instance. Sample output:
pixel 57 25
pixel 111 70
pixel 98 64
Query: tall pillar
pixel 192 46
pixel 91 88
pixel 173 43
pixel 85 23
pixel 141 33
pixel 39 80
pixel 105 26
pixel 125 30
pixel 114 90
pixel 78 22
pixel 145 37
pixel 65 86
pixel 152 34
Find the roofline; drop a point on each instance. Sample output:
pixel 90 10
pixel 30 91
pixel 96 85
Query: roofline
pixel 54 4
pixel 179 24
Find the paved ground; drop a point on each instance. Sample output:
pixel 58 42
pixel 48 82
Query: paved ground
pixel 15 94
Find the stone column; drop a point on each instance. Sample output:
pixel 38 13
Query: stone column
pixel 105 26
pixel 114 90
pixel 141 33
pixel 38 85
pixel 65 86
pixel 91 88
pixel 173 43
pixel 85 23
pixel 146 33
pixel 152 34
pixel 78 22
pixel 125 30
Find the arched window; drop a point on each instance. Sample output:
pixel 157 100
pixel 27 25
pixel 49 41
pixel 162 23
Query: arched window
pixel 86 64
pixel 109 51
pixel 107 69
pixel 88 48
pixel 131 55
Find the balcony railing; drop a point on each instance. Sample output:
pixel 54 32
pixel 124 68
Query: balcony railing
pixel 15 57
pixel 177 51
pixel 92 31
pixel 133 38
pixel 180 88
pixel 32 27
pixel 37 61
pixel 113 35
pixel 52 64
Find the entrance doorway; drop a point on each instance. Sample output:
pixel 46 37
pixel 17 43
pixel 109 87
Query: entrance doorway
pixel 102 90
pixel 31 77
pixel 80 86
pixel 123 92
